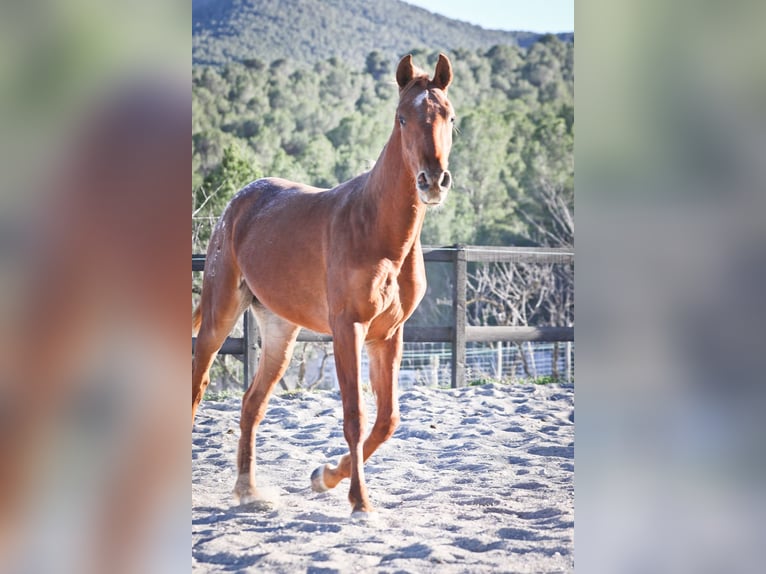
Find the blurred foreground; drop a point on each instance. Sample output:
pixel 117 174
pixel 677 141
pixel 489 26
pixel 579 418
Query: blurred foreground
pixel 93 333
pixel 671 246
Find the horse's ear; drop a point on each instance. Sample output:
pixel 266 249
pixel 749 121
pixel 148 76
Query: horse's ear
pixel 443 73
pixel 405 72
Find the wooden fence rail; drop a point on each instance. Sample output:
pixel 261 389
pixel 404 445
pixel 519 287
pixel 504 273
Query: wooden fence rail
pixel 457 334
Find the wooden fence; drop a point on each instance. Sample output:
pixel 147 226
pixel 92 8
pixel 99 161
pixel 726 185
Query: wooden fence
pixel 457 334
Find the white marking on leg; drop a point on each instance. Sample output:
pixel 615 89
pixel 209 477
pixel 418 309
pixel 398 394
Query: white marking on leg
pixel 317 480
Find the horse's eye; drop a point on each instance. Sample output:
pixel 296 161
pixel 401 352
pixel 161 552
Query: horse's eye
pixel 402 121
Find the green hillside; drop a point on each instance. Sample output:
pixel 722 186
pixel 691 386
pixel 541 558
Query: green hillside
pixel 314 30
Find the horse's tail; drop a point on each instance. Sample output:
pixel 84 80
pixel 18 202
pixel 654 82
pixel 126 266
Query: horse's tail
pixel 196 319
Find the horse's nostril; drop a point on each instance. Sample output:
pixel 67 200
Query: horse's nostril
pixel 423 180
pixel 446 180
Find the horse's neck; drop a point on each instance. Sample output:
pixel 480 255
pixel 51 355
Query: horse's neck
pixel 398 212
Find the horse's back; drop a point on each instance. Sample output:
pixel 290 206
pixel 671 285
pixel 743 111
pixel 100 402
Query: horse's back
pixel 273 193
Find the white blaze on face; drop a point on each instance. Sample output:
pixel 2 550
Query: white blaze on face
pixel 421 98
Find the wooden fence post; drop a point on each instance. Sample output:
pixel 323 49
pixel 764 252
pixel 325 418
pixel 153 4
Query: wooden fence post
pixel 249 340
pixel 458 307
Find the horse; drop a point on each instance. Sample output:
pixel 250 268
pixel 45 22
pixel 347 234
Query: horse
pixel 345 261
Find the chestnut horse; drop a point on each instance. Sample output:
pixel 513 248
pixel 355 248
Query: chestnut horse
pixel 345 261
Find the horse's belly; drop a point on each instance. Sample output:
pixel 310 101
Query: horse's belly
pixel 293 295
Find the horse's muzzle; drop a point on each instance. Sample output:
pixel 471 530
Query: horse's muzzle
pixel 433 186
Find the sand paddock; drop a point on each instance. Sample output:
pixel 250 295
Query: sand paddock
pixel 479 479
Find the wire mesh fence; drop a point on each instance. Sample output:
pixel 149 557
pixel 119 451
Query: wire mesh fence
pixel 423 364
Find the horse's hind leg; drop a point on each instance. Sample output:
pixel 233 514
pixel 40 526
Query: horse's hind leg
pixel 224 298
pixel 278 340
pixel 385 357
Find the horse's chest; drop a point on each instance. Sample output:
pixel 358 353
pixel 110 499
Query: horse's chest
pixel 398 296
pixel 409 292
pixel 383 295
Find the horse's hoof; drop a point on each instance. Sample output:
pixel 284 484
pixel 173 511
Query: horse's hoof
pixel 245 498
pixel 244 490
pixel 246 493
pixel 260 499
pixel 317 480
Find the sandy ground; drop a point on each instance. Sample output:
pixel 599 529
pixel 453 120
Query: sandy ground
pixel 479 479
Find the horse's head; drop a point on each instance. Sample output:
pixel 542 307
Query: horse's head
pixel 425 119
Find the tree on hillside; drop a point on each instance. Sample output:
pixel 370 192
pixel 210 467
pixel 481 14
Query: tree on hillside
pixel 548 208
pixel 217 189
pixel 377 65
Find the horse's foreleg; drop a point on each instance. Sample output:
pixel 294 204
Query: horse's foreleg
pixel 385 357
pixel 278 340
pixel 347 344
